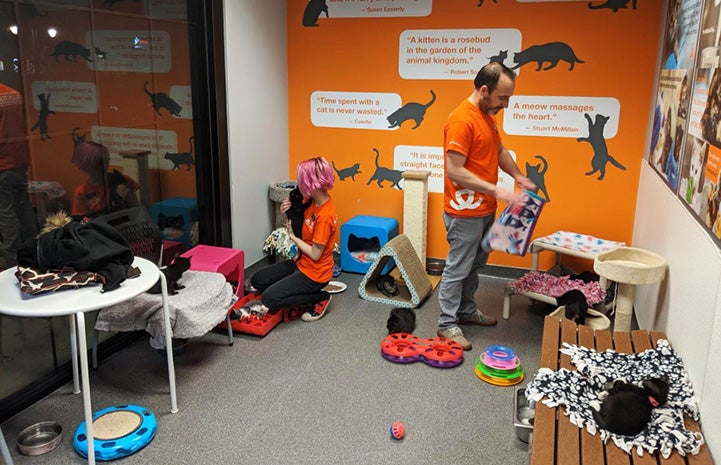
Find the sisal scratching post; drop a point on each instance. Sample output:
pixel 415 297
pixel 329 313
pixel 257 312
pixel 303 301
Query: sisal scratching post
pixel 415 285
pixel 415 210
pixel 135 165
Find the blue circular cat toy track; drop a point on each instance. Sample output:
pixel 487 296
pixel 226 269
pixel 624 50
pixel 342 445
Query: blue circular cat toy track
pixel 118 431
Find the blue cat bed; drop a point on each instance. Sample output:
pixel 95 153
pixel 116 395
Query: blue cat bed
pixel 414 286
pixel 362 237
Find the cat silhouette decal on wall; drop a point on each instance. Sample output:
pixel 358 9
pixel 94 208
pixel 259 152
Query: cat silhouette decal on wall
pixel 500 58
pixel 537 174
pixel 348 172
pixel 382 174
pixel 553 52
pixel 42 122
pixel 182 158
pixel 312 12
pixel 614 5
pixel 600 151
pixel 411 110
pixel 163 100
pixel 71 51
pixel 480 2
pixel 77 138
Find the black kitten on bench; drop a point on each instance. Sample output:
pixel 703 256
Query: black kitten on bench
pixel 626 408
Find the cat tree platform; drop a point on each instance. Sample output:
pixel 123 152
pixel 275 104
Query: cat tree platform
pixel 629 267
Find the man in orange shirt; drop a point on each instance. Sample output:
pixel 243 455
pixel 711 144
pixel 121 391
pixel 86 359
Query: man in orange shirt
pixel 473 154
pixel 18 222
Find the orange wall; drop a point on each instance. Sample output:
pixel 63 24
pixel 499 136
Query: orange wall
pixel 357 54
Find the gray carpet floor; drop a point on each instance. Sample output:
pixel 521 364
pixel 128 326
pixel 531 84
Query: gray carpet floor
pixel 312 393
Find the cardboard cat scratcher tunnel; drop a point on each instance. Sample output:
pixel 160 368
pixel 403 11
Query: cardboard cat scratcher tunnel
pixel 415 285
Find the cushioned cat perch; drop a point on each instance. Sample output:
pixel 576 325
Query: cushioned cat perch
pixel 415 286
pixel 629 266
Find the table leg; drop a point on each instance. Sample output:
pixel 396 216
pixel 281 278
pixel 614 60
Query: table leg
pixel 168 344
pixel 83 343
pixel 74 354
pixel 4 451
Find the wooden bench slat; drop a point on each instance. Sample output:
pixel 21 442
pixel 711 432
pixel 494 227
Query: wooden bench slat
pixel 568 450
pixel 591 446
pixel 543 450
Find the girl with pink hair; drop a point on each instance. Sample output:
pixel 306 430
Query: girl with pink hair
pixel 103 191
pixel 300 282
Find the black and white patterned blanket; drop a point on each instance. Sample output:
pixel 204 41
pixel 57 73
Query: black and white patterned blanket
pixel 577 389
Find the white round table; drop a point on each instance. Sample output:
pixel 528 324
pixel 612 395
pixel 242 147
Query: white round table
pixel 74 303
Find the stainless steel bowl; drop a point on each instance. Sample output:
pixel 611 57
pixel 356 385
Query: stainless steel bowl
pixel 40 438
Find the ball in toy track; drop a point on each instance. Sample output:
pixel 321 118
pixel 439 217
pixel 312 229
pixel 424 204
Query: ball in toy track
pixel 398 431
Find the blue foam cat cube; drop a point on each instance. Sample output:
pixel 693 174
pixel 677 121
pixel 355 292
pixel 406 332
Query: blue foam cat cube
pixel 175 217
pixel 361 238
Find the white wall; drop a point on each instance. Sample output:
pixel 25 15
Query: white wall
pixel 257 98
pixel 687 305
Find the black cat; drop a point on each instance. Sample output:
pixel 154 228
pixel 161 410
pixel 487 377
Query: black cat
pixel 536 173
pixel 411 110
pixel 552 52
pixel 173 273
pixel 182 158
pixel 312 12
pixel 344 173
pixel 296 211
pixel 102 55
pixel 500 58
pixel 163 100
pixel 115 178
pixel 600 150
pixel 42 122
pixel 626 408
pixel 480 2
pixel 401 320
pixel 614 5
pixel 71 51
pixel 78 138
pixel 575 305
pixel 386 284
pixel 385 174
pixel 172 222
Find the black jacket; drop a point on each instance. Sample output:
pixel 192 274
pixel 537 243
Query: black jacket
pixel 95 247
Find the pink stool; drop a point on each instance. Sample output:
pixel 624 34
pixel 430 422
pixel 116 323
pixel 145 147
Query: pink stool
pixel 228 262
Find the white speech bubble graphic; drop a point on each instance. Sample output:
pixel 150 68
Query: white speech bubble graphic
pixel 558 116
pixel 354 110
pixel 377 8
pixel 67 96
pixel 452 53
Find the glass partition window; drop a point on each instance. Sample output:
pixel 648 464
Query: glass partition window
pixel 96 115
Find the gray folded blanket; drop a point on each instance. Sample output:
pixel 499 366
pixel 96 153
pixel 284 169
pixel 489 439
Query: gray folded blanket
pixel 194 311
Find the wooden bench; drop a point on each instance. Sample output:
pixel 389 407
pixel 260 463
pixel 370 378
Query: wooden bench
pixel 555 440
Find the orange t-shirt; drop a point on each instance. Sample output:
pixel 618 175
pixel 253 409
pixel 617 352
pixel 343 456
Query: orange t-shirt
pixel 473 134
pixel 90 199
pixel 319 226
pixel 14 150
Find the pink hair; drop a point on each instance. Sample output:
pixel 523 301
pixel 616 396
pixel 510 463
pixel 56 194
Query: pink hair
pixel 315 173
pixel 89 156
